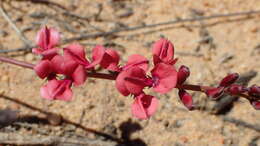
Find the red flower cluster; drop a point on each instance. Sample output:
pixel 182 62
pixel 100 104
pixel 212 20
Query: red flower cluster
pixel 71 67
pixel 63 71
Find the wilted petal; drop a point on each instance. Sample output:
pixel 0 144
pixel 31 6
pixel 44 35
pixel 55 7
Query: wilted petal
pixel 136 60
pixel 76 52
pixel 79 76
pixel 163 51
pixel 229 79
pixel 186 99
pixel 57 89
pixel 43 68
pixel 165 77
pixel 144 106
pixel 110 60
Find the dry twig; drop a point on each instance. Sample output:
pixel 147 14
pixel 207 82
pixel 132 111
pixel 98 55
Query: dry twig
pixel 26 42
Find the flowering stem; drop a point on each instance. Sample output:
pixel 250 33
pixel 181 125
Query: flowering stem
pixel 113 76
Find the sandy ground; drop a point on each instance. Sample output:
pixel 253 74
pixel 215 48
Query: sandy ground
pixel 98 105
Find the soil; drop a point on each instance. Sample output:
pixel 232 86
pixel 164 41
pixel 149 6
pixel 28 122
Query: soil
pixel 210 48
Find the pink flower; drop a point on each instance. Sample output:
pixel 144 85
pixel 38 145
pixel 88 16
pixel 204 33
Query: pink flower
pixel 144 106
pixel 164 78
pixel 163 51
pixel 70 69
pixel 47 39
pixel 131 81
pixel 73 73
pixel 134 79
pixel 57 89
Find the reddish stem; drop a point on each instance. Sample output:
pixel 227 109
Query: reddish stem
pixel 16 62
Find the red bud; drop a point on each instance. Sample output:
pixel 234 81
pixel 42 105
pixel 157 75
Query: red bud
pixel 186 99
pixel 254 91
pixel 236 89
pixel 229 79
pixel 215 93
pixel 183 74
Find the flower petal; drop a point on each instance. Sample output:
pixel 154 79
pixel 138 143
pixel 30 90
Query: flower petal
pixel 57 89
pixel 54 37
pixel 47 38
pixel 120 82
pixel 48 89
pixel 166 76
pixel 63 65
pixel 98 53
pixel 163 50
pixel 144 106
pixel 79 76
pixel 110 60
pixel 136 60
pixel 76 52
pixel 135 81
pixel 43 68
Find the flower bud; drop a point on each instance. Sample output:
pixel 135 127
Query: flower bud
pixel 183 74
pixel 236 89
pixel 215 93
pixel 254 91
pixel 229 79
pixel 186 99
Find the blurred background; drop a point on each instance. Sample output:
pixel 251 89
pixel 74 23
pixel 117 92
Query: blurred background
pixel 213 38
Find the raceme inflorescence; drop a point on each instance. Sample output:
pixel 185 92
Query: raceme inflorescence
pixel 68 66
